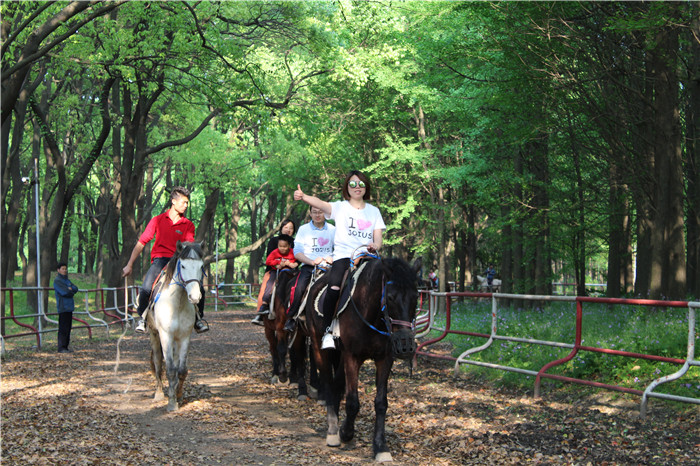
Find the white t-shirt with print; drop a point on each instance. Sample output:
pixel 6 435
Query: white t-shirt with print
pixel 314 242
pixel 353 227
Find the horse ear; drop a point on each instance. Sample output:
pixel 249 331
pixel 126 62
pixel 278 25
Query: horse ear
pixel 417 264
pixel 178 247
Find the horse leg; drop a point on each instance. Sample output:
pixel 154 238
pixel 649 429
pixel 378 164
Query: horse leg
pixel 272 342
pixel 334 396
pixel 332 399
pixel 297 357
pixel 157 366
pixel 352 400
pixel 171 368
pixel 314 380
pixel 327 393
pixel 182 369
pixel 282 355
pixel 381 451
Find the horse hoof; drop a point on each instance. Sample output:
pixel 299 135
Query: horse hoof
pixel 321 402
pixel 333 440
pixel 274 380
pixel 293 385
pixel 383 457
pixel 313 393
pixel 158 397
pixel 172 407
pixel 302 398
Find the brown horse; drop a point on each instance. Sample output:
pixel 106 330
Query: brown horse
pixel 282 343
pixel 377 322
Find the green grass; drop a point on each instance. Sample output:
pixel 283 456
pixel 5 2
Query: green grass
pixel 637 329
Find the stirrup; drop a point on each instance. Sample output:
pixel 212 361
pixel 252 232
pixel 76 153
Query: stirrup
pixel 201 326
pixel 140 326
pixel 257 320
pixel 290 325
pixel 328 341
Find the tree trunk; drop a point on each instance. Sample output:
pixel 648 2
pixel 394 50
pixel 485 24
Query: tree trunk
pixel 232 239
pixel 692 147
pixel 505 267
pixel 518 275
pixel 668 259
pixel 542 263
pixel 67 234
pixel 618 234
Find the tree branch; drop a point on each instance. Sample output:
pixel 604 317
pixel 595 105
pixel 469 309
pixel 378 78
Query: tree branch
pixel 186 139
pixel 53 24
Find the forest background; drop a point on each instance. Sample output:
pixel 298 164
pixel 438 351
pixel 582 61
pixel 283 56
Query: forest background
pixel 553 139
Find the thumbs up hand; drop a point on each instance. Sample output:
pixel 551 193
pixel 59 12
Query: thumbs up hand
pixel 298 194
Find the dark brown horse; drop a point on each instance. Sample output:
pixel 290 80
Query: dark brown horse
pixel 282 343
pixel 376 323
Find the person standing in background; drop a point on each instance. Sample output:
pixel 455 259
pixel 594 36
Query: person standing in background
pixel 65 290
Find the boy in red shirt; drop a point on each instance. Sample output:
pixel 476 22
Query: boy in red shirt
pixel 280 258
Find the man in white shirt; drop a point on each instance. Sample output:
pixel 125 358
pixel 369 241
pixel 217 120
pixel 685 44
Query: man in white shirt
pixel 312 246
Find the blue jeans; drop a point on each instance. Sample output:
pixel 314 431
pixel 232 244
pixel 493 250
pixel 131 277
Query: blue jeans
pixel 302 283
pixel 157 265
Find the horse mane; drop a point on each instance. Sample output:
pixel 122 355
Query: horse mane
pixel 186 251
pixel 400 273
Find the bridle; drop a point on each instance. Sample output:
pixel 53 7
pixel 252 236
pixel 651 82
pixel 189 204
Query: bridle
pixel 388 321
pixel 386 318
pixel 179 280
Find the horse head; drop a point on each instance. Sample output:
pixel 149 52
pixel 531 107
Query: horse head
pixel 399 305
pixel 188 269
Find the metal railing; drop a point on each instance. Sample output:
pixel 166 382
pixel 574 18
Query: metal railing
pixel 85 313
pixel 95 308
pixel 598 287
pixel 232 293
pixel 427 324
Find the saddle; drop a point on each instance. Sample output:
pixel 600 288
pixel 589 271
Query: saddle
pixel 347 288
pixel 300 315
pixel 271 315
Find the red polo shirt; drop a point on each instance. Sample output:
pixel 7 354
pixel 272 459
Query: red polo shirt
pixel 167 234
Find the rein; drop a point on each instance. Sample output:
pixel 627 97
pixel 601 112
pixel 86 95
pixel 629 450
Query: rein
pixel 388 321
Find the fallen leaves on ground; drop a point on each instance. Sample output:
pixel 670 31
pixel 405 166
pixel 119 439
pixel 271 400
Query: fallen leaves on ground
pixel 74 409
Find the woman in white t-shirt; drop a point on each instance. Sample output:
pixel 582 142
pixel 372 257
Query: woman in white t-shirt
pixel 357 224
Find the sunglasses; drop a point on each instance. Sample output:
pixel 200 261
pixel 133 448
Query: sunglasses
pixel 355 184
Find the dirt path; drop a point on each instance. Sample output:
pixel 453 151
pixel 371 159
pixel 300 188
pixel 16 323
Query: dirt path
pixel 74 409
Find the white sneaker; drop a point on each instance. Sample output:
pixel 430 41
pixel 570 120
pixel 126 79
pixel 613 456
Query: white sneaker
pixel 328 342
pixel 140 327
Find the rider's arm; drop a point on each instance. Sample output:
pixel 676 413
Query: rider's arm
pixel 313 201
pixel 273 259
pixel 303 258
pixel 126 271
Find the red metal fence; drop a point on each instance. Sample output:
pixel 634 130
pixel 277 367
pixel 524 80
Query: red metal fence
pixel 94 309
pixel 426 325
